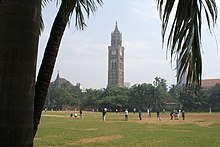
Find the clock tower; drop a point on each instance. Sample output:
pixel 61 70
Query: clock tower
pixel 116 60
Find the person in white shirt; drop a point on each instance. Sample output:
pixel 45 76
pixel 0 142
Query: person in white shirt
pixel 126 114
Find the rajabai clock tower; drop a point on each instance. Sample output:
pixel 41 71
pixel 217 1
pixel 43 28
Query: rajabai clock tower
pixel 116 60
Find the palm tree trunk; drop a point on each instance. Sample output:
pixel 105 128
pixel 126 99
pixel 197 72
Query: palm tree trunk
pixel 19 36
pixel 49 59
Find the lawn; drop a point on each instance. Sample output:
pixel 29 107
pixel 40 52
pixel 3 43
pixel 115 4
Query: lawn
pixel 59 130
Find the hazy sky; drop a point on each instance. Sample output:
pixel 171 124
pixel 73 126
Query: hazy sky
pixel 83 54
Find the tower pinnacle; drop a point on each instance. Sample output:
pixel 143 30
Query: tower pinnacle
pixel 116 27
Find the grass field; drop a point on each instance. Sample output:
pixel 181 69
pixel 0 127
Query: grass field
pixel 59 130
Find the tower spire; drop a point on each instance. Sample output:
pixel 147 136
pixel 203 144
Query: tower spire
pixel 116 27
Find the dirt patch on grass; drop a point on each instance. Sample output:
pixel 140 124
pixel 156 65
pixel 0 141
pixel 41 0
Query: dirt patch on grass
pixel 91 129
pixel 181 130
pixel 96 139
pixel 48 115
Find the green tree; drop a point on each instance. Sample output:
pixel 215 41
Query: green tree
pixel 63 16
pixel 59 98
pixel 214 99
pixel 114 97
pixel 160 83
pixel 184 39
pixel 142 96
pixel 160 93
pixel 189 99
pixel 90 101
pixel 19 35
pixel 174 91
pixel 204 96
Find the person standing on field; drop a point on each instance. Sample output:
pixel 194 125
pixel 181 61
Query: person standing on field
pixel 149 112
pixel 140 114
pixel 104 114
pixel 81 114
pixel 183 114
pixel 126 115
pixel 171 115
pixel 158 116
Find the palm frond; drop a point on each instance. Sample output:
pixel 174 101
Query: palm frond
pixel 41 24
pixel 89 6
pixel 43 4
pixel 184 38
pixel 210 10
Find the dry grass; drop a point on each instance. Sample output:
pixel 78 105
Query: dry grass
pixel 198 119
pixel 96 139
pixel 59 130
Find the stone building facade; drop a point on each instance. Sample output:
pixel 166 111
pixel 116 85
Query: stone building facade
pixel 116 60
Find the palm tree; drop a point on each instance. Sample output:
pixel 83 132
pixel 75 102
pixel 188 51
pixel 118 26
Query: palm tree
pixel 66 10
pixel 184 39
pixel 19 35
pixel 156 81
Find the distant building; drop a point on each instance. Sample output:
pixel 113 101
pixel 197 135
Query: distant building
pixel 64 84
pixel 81 87
pixel 205 83
pixel 127 85
pixel 61 83
pixel 208 83
pixel 172 106
pixel 116 60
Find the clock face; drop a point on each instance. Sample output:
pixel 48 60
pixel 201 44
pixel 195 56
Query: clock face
pixel 113 52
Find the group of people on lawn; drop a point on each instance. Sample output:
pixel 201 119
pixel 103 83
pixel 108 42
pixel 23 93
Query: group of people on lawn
pixel 176 114
pixel 76 114
pixel 173 115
